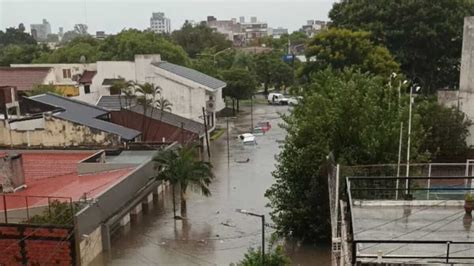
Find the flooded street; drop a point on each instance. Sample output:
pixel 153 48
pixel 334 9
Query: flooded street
pixel 214 234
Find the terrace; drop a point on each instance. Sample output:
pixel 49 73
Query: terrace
pixel 413 221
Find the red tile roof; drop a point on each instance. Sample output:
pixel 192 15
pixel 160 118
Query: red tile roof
pixel 55 175
pixel 43 165
pixel 23 78
pixel 87 76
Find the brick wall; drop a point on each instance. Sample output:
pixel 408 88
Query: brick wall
pixel 36 245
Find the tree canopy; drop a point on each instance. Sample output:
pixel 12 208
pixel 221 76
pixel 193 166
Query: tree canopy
pixel 425 36
pixel 340 48
pixel 16 36
pixel 195 39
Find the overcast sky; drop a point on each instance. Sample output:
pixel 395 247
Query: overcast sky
pixel 113 16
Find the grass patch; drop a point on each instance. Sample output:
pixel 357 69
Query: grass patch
pixel 217 133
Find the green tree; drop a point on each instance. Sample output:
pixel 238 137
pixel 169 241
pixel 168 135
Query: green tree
pixel 424 36
pixel 241 85
pixel 16 36
pixel 340 48
pixel 195 39
pixel 72 52
pixel 181 167
pixel 80 30
pixel 148 100
pixel 446 130
pixel 128 43
pixel 20 54
pixel 276 257
pixel 353 115
pixel 267 67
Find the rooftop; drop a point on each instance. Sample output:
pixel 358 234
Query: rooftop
pixel 85 114
pixel 54 174
pixel 413 231
pixel 191 74
pixel 112 103
pixel 87 76
pixel 23 79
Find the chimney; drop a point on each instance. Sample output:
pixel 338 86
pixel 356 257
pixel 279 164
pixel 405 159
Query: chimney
pixel 11 172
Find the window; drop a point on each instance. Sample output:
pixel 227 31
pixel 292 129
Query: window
pixel 87 89
pixel 66 73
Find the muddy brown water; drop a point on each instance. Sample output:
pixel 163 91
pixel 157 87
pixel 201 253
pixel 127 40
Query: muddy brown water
pixel 215 234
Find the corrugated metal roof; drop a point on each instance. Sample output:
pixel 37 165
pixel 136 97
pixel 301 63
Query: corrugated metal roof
pixel 112 102
pixel 191 74
pixel 85 114
pixel 171 119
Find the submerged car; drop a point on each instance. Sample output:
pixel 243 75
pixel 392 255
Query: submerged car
pixel 247 139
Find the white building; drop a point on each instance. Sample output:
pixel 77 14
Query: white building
pixel 187 89
pixel 277 33
pixel 159 23
pixel 466 83
pixel 40 31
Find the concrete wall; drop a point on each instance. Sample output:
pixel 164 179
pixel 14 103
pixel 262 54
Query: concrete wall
pixel 11 173
pixel 448 98
pixel 466 84
pixel 56 133
pixel 90 246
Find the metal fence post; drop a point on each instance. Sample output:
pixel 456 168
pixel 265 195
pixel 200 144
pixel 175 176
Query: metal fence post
pixel 447 251
pixel 429 182
pixel 5 208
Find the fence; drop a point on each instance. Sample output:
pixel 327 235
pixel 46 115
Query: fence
pixel 428 192
pixel 21 209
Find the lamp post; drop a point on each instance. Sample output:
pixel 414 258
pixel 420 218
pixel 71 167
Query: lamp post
pixel 416 88
pixel 263 229
pixel 214 55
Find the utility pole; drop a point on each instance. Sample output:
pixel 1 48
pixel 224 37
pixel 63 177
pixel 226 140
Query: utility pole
pixel 182 133
pixel 399 158
pixel 228 149
pixel 251 113
pixel 207 133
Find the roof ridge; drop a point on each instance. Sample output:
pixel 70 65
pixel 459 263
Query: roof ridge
pixel 76 101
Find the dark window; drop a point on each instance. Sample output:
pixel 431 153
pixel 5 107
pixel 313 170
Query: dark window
pixel 87 89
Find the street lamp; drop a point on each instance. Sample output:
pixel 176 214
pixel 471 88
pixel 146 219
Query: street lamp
pixel 415 88
pixel 214 55
pixel 263 229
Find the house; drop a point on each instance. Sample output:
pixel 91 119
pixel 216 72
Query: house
pixel 50 120
pixel 26 79
pixel 72 80
pixel 187 89
pixel 107 189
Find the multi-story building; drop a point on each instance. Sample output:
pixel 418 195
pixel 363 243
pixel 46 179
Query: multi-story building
pixel 230 28
pixel 277 33
pixel 254 29
pixel 313 27
pixel 40 31
pixel 159 23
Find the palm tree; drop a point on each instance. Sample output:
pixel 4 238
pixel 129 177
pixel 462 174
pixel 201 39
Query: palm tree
pixel 181 167
pixel 122 86
pixel 147 99
pixel 163 105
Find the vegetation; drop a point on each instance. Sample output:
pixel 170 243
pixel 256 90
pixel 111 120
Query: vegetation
pixel 276 257
pixel 58 213
pixel 195 39
pixel 241 84
pixel 340 48
pixel 42 89
pixel 181 168
pixel 356 117
pixel 425 36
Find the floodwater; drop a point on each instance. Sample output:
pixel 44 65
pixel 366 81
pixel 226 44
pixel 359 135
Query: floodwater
pixel 215 233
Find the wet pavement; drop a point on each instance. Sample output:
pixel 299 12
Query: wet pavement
pixel 215 234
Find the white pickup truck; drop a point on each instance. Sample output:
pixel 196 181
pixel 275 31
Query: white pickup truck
pixel 277 98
